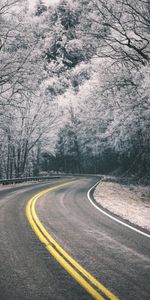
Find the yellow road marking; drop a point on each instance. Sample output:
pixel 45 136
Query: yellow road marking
pixel 65 260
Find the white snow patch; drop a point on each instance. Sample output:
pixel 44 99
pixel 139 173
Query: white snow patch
pixel 131 202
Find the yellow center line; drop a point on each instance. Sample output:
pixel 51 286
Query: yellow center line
pixel 57 251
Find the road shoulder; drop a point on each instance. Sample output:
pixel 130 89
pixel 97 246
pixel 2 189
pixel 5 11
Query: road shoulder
pixel 130 202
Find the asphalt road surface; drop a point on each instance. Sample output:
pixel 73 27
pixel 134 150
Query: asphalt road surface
pixel 116 256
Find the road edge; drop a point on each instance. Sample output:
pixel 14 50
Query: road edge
pixel 116 218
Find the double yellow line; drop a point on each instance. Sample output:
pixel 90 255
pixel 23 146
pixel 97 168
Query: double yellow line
pixel 85 279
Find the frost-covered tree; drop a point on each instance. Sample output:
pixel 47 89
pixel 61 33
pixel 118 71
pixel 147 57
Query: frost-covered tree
pixel 40 8
pixel 119 28
pixel 25 128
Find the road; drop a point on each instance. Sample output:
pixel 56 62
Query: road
pixel 116 256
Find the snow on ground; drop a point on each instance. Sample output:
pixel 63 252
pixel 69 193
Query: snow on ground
pixel 131 202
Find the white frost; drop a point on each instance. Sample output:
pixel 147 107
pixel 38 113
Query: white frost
pixel 131 202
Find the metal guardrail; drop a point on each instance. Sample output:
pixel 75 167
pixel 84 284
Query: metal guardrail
pixel 25 179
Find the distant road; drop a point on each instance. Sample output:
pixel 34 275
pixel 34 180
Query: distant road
pixel 104 260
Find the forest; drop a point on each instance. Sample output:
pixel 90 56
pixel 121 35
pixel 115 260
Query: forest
pixel 75 87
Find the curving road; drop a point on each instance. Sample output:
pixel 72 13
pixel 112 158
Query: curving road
pixel 116 256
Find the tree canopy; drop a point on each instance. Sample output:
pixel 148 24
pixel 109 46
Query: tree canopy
pixel 74 87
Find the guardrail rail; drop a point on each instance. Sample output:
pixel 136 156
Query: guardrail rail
pixel 25 179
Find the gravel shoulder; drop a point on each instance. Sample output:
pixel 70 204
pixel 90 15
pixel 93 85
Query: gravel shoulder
pixel 131 202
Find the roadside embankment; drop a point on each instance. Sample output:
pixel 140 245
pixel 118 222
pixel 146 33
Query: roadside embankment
pixel 129 201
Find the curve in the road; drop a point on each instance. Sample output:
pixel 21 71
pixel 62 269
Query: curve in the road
pixel 84 278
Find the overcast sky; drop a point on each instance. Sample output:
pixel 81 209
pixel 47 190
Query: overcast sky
pixel 32 2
